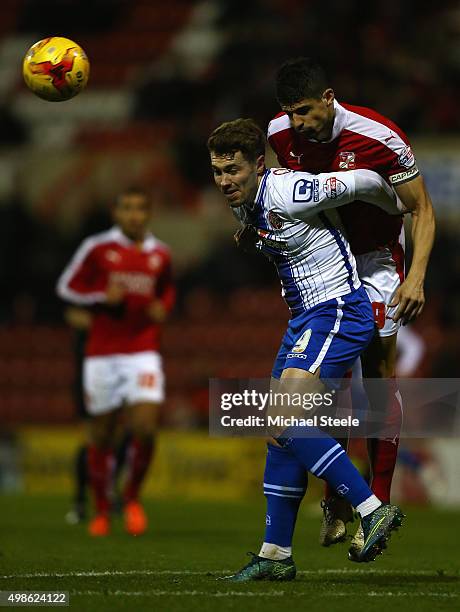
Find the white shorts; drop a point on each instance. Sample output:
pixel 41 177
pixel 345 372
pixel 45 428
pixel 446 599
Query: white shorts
pixel 110 381
pixel 381 273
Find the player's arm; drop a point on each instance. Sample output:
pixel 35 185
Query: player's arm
pixel 410 296
pixel 307 194
pixel 83 284
pixel 165 295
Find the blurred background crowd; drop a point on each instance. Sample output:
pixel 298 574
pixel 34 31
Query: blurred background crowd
pixel 163 75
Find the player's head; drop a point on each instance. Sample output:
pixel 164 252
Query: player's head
pixel 303 94
pixel 132 212
pixel 237 150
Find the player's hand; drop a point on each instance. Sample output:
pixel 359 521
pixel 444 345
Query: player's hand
pixel 410 299
pixel 78 318
pixel 115 294
pixel 246 238
pixel 157 312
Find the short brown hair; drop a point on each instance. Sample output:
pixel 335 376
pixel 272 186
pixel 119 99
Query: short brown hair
pixel 239 135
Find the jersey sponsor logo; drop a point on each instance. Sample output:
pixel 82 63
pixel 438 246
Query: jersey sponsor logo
pixel 275 220
pixel 295 156
pixel 347 160
pixel 134 282
pixel 402 177
pixel 406 157
pixel 296 355
pixel 302 342
pixel 154 262
pixel 306 191
pixel 334 188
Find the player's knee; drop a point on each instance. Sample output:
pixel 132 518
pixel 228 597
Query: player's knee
pixel 100 430
pixel 100 437
pixel 143 433
pixel 144 421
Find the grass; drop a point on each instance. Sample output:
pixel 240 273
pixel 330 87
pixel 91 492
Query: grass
pixel 190 544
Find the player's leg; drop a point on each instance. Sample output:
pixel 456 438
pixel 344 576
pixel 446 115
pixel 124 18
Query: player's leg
pixel 100 468
pixel 381 274
pixel 81 483
pixel 285 483
pixel 122 443
pixel 318 452
pixel 379 362
pixel 78 512
pixel 313 450
pixel 341 353
pixel 142 423
pixel 144 393
pixel 304 347
pixel 337 512
pixel 102 385
pixel 325 458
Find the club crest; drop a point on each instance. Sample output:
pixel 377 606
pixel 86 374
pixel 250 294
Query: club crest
pixel 275 220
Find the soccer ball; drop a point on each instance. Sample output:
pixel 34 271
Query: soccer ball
pixel 55 69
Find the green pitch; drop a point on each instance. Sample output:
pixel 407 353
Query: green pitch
pixel 190 544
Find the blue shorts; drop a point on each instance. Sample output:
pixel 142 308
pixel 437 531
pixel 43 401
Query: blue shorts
pixel 329 336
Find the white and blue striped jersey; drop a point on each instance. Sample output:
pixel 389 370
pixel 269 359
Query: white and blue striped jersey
pixel 301 232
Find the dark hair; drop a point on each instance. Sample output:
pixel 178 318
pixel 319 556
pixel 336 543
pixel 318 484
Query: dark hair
pixel 133 190
pixel 299 78
pixel 239 135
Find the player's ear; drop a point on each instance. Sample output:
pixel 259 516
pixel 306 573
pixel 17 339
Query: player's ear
pixel 260 164
pixel 328 96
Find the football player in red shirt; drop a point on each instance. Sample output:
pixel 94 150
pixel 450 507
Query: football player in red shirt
pixel 317 134
pixel 124 276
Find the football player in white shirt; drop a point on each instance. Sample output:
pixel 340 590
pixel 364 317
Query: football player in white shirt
pixel 294 217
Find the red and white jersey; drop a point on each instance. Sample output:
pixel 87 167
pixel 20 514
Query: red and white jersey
pixel 361 138
pixel 145 273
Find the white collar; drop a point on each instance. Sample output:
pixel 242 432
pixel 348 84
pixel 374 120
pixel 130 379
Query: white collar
pixel 148 243
pixel 340 120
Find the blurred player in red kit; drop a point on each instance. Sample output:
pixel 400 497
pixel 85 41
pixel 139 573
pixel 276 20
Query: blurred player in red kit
pixel 124 276
pixel 315 133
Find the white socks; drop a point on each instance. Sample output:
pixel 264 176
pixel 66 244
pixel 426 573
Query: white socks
pixel 368 506
pixel 275 552
pixel 278 553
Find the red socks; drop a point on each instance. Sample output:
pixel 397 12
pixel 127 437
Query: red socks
pixel 139 458
pixel 383 453
pixel 100 468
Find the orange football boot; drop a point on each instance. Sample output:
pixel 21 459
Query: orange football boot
pixel 99 526
pixel 135 518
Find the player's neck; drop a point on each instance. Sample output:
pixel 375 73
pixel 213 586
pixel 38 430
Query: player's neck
pixel 328 128
pixel 251 200
pixel 137 240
